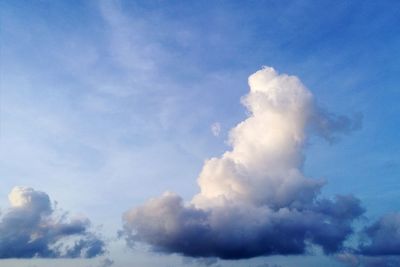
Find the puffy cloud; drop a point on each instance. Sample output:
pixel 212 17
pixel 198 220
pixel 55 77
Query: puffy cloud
pixel 237 230
pixel 31 228
pixel 383 236
pixel 380 244
pixel 254 200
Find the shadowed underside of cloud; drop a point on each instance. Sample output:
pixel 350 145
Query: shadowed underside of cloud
pixel 255 200
pixel 31 228
pixel 238 230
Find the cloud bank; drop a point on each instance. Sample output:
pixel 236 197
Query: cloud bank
pixel 31 228
pixel 255 200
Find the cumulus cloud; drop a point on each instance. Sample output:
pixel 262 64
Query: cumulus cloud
pixel 382 237
pixel 254 199
pixel 379 246
pixel 31 228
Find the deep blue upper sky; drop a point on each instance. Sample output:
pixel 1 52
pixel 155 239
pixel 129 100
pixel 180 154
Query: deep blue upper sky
pixel 105 104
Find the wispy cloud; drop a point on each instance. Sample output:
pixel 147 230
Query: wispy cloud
pixel 216 128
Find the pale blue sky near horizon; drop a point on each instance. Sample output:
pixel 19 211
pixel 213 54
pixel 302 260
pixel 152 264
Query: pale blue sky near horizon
pixel 105 104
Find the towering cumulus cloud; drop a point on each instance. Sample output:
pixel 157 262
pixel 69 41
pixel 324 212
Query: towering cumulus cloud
pixel 254 200
pixel 30 228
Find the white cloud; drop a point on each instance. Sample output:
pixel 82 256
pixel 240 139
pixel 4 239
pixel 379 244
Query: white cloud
pixel 254 200
pixel 216 128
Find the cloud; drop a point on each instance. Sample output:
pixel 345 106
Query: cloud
pixel 210 261
pixel 379 246
pixel 31 228
pixel 390 261
pixel 216 128
pixel 268 265
pixel 354 260
pixel 254 200
pixel 329 126
pixel 348 259
pixel 106 263
pixel 383 237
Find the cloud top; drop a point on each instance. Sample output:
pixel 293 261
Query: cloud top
pixel 264 165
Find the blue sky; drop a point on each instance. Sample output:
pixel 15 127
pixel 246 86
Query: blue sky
pixel 105 104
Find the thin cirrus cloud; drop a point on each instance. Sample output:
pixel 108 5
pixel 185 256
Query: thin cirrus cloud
pixel 31 228
pixel 254 200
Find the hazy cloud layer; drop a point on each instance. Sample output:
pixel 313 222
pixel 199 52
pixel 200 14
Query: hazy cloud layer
pixel 31 228
pixel 255 200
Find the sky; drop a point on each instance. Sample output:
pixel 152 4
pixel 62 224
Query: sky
pixel 199 133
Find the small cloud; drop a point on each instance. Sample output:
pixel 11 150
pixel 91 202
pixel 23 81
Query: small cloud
pixel 31 228
pixel 331 126
pixel 216 128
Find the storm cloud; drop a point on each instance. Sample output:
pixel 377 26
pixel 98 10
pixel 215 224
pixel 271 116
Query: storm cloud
pixel 255 199
pixel 32 228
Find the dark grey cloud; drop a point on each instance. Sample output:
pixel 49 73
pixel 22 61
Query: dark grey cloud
pixel 32 228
